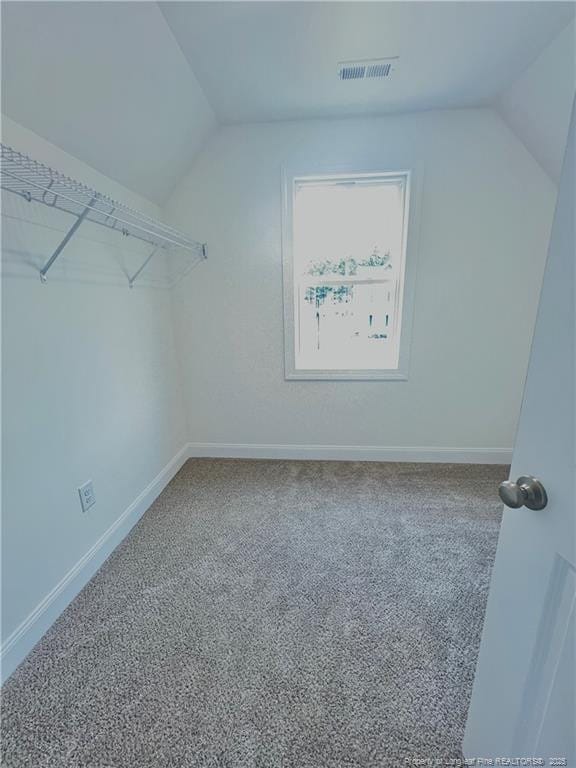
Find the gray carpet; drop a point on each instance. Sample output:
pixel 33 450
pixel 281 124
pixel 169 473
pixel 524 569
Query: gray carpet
pixel 271 613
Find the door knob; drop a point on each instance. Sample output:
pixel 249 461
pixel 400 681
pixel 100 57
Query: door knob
pixel 526 491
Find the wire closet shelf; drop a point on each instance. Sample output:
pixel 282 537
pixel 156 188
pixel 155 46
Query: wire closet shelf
pixel 36 182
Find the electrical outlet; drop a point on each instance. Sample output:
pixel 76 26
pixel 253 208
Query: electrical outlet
pixel 87 497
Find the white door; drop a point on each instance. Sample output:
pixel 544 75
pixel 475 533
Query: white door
pixel 523 697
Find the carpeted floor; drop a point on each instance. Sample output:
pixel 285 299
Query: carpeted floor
pixel 271 613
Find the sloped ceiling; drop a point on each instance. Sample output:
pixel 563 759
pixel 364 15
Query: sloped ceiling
pixel 262 61
pixel 134 89
pixel 537 106
pixel 106 82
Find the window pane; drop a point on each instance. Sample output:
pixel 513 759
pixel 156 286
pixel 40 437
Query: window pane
pixel 347 325
pixel 348 255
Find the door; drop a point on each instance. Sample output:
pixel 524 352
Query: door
pixel 523 696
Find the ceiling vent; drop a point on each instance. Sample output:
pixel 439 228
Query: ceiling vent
pixel 367 69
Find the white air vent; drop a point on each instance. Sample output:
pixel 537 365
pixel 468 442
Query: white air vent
pixel 362 70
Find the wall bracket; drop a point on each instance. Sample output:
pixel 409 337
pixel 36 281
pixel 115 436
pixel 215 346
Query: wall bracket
pixel 141 268
pixel 67 238
pixel 37 183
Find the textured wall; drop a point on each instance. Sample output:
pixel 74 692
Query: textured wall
pixel 485 219
pixel 90 389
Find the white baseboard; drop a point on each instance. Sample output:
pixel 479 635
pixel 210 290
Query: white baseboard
pixel 351 453
pixel 29 632
pixel 18 644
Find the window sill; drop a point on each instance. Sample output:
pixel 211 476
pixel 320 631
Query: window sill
pixel 394 375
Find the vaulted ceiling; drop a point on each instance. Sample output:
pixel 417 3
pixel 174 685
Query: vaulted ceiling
pixel 107 82
pixel 135 88
pixel 278 60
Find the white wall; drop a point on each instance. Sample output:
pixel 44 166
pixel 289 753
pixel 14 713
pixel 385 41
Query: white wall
pixel 485 219
pixel 90 391
pixel 91 375
pixel 537 106
pixel 137 113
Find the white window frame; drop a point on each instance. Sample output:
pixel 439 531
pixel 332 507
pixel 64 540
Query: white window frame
pixel 290 176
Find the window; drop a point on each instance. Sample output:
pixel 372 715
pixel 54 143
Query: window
pixel 346 250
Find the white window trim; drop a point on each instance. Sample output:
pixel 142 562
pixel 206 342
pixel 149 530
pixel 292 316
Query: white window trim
pixel 411 231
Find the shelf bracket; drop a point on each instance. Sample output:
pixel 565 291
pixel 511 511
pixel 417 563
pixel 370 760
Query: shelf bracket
pixel 66 239
pixel 138 271
pixel 39 184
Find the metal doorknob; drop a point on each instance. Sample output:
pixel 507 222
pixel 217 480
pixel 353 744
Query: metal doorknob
pixel 525 492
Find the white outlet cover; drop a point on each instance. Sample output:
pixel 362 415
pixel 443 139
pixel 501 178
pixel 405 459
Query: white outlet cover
pixel 87 497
